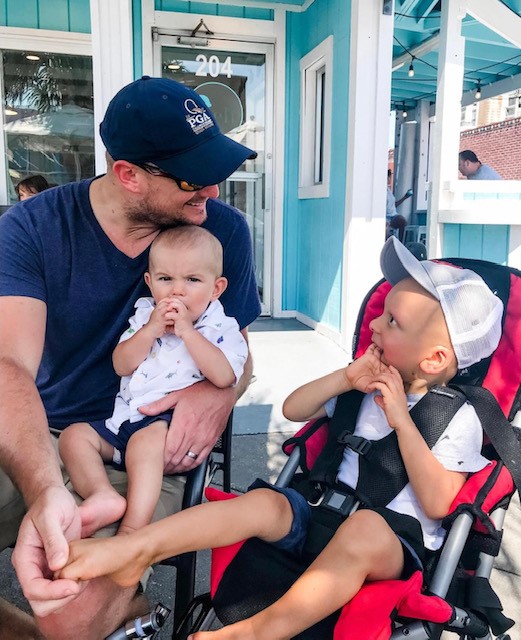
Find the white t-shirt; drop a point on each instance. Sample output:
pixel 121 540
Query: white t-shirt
pixel 458 449
pixel 169 366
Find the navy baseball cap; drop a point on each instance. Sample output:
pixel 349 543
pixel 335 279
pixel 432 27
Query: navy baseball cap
pixel 165 123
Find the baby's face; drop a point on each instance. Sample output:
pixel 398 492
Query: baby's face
pixel 185 274
pixel 411 325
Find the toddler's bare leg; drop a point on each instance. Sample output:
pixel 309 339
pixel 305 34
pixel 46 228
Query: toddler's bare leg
pixel 144 463
pixel 263 513
pixel 83 452
pixel 363 548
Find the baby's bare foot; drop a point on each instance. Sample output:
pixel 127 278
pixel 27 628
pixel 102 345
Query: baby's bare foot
pixel 99 510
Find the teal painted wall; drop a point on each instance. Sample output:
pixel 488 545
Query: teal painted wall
pixel 485 242
pixel 314 228
pixel 217 9
pixel 137 42
pixel 60 15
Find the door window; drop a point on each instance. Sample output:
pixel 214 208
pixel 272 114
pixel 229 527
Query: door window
pixel 234 85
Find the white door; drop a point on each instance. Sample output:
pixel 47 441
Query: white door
pixel 236 79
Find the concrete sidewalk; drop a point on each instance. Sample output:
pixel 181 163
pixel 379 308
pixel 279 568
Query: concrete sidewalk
pixel 286 355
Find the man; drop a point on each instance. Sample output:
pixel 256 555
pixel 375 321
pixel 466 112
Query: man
pixel 71 268
pixel 470 167
pixel 391 202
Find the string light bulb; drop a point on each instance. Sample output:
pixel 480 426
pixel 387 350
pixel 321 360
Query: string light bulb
pixel 477 95
pixel 404 111
pixel 410 73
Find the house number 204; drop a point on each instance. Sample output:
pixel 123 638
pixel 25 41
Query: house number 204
pixel 213 67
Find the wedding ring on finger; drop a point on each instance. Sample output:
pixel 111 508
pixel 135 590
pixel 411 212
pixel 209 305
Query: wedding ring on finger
pixel 191 454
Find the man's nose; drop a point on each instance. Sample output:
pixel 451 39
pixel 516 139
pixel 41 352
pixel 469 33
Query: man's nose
pixel 211 191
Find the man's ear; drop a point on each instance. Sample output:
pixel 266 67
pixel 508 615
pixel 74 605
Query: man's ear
pixel 440 359
pixel 219 286
pixel 127 175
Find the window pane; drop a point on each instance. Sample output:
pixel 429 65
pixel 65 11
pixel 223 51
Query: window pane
pixel 48 116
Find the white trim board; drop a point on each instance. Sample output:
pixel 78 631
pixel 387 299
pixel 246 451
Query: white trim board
pixel 295 8
pixel 21 39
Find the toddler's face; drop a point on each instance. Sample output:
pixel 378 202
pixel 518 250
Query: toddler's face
pixel 186 274
pixel 410 326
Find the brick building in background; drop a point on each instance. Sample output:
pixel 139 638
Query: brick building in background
pixel 498 145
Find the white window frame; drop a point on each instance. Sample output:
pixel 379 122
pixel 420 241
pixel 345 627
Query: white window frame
pixel 44 41
pixel 314 66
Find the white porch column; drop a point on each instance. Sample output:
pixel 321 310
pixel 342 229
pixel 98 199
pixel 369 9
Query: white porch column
pixel 446 138
pixel 112 60
pixel 367 144
pixel 420 191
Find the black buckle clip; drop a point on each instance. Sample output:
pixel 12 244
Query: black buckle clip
pixel 339 502
pixel 359 445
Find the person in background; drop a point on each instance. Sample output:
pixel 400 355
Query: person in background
pixel 473 169
pixel 392 203
pixel 29 187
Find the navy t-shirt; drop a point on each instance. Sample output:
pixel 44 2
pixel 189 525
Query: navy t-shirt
pixel 53 249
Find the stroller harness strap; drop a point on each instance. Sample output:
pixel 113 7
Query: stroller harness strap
pixel 382 474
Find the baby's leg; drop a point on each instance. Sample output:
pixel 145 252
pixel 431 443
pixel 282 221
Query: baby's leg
pixel 262 513
pixel 144 459
pixel 83 452
pixel 363 548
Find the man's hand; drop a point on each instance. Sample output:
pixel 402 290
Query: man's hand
pixel 200 415
pixel 42 548
pixel 119 557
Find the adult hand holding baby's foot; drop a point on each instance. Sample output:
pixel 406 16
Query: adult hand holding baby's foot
pixel 115 557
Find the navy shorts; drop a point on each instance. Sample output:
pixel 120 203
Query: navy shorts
pixel 406 528
pixel 120 440
pixel 295 539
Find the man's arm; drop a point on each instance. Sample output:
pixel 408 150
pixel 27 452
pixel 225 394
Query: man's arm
pixel 28 457
pixel 26 452
pixel 199 418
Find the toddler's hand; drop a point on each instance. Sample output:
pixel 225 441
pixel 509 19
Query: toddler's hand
pixel 160 322
pixel 392 398
pixel 180 317
pixel 363 371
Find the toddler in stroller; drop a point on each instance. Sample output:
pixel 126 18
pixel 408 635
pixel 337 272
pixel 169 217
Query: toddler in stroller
pixel 437 319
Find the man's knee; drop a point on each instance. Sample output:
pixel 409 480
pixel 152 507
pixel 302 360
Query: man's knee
pixel 98 611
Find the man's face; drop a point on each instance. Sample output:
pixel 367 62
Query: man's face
pixel 165 204
pixel 465 167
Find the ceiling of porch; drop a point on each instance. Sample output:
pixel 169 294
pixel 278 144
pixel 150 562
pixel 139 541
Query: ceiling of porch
pixel 489 58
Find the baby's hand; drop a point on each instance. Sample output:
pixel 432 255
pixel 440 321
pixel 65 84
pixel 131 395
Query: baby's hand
pixel 392 398
pixel 115 557
pixel 159 321
pixel 363 371
pixel 180 317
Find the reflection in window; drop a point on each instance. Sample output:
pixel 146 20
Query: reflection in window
pixel 48 116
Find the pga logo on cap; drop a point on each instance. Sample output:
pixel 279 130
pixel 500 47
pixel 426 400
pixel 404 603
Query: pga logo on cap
pixel 197 117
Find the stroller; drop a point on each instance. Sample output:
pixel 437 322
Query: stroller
pixel 454 593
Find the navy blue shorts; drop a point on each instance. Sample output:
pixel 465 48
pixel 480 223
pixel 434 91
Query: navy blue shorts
pixel 120 440
pixel 406 528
